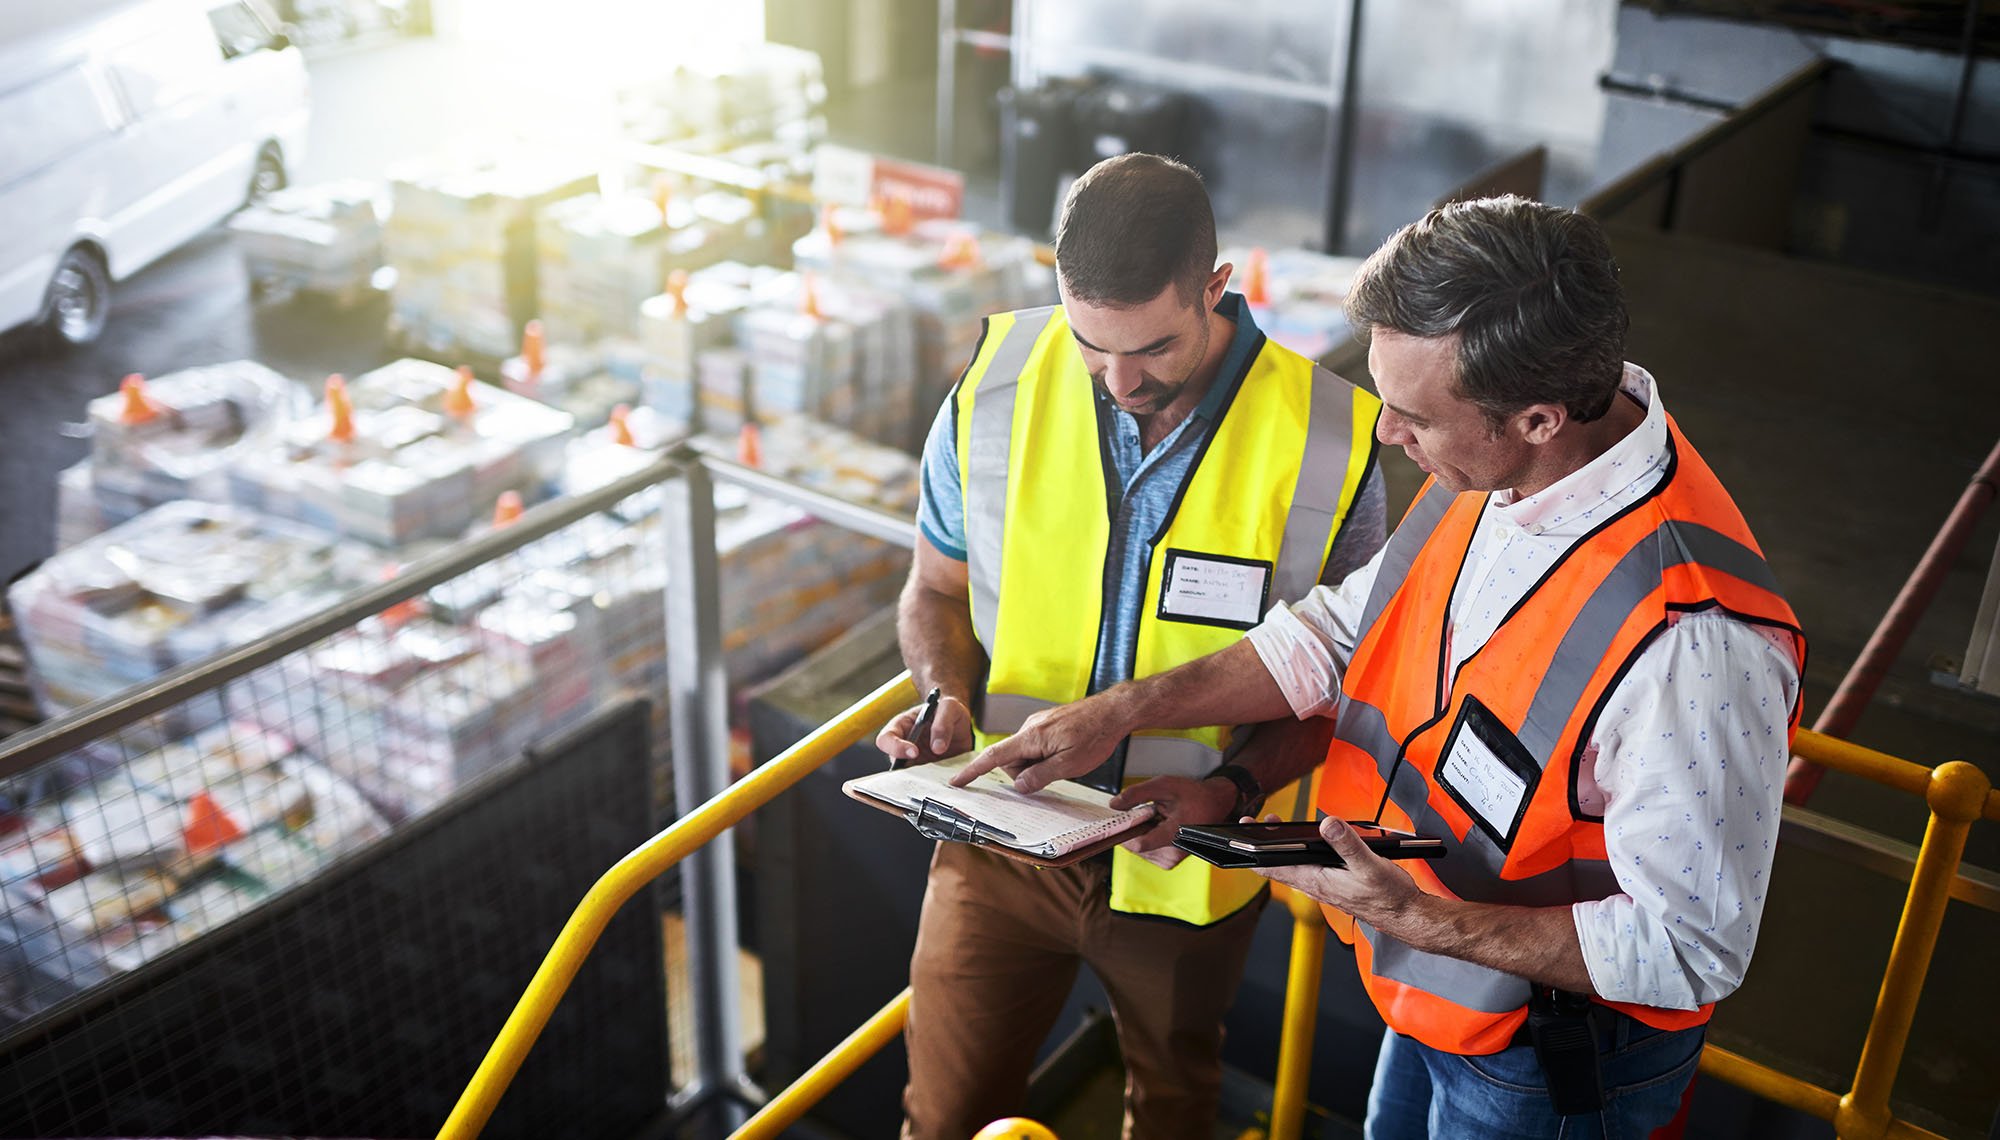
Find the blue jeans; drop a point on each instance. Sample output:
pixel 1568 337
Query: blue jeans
pixel 1423 1092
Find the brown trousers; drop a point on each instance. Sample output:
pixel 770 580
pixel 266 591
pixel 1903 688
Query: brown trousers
pixel 997 950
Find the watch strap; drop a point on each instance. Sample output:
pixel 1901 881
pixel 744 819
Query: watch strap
pixel 1249 797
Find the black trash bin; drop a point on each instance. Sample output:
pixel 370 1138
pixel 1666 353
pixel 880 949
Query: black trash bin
pixel 1038 151
pixel 1120 116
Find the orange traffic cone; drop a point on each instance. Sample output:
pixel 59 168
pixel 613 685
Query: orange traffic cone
pixel 400 614
pixel 750 445
pixel 809 295
pixel 138 407
pixel 663 194
pixel 506 509
pixel 621 425
pixel 1257 277
pixel 677 288
pixel 834 234
pixel 458 402
pixel 961 251
pixel 534 349
pixel 208 825
pixel 897 216
pixel 341 408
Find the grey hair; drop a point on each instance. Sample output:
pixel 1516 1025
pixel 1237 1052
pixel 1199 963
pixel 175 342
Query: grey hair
pixel 1530 289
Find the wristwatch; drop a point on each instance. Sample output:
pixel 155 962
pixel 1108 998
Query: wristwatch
pixel 1249 797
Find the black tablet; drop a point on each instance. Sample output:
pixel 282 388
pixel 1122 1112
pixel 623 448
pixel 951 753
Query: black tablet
pixel 1290 844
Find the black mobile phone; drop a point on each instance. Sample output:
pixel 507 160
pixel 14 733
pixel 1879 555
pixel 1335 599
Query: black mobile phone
pixel 1287 844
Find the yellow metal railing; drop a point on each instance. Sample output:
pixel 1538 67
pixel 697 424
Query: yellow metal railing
pixel 631 874
pixel 1295 1038
pixel 1957 794
pixel 812 1086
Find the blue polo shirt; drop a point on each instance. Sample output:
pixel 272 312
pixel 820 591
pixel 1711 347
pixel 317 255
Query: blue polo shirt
pixel 1147 482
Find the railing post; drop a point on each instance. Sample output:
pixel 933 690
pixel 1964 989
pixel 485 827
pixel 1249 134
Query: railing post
pixel 1957 796
pixel 1295 1041
pixel 698 699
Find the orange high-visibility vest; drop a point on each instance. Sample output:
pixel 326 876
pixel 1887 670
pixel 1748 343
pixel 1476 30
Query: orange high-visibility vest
pixel 1543 678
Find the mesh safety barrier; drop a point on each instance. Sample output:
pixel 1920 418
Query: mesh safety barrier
pixel 360 1002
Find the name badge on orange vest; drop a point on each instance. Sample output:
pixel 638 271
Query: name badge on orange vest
pixel 1214 589
pixel 1487 771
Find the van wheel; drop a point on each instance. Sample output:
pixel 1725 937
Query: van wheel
pixel 269 177
pixel 79 299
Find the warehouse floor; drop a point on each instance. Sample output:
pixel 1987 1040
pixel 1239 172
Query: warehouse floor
pixel 1845 412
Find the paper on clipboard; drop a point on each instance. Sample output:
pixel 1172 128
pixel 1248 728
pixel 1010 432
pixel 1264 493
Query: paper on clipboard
pixel 1054 822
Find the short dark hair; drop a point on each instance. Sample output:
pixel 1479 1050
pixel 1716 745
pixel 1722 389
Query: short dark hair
pixel 1531 290
pixel 1131 226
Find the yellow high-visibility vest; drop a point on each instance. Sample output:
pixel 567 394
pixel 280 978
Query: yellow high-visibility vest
pixel 1261 502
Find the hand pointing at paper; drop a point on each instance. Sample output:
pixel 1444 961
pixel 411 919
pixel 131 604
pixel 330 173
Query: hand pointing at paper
pixel 1055 744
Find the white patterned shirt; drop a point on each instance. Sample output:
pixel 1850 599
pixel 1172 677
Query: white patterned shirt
pixel 1685 764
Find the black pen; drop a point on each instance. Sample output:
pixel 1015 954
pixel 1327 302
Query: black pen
pixel 920 733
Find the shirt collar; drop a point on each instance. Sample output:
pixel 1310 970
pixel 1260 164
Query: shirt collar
pixel 1571 505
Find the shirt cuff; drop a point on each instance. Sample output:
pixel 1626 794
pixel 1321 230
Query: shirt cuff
pixel 1298 661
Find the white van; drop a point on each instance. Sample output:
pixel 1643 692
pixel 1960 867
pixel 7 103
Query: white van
pixel 124 133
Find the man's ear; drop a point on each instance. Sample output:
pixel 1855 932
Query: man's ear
pixel 1218 282
pixel 1540 423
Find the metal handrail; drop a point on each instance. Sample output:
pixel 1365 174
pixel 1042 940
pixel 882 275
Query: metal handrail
pixel 1843 710
pixel 81 726
pixel 634 872
pixel 1635 183
pixel 784 1110
pixel 1295 1037
pixel 1957 793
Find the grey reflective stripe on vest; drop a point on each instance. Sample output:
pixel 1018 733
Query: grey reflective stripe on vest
pixel 1401 553
pixel 1006 712
pixel 991 440
pixel 1596 626
pixel 1316 495
pixel 1149 756
pixel 1145 756
pixel 1471 867
pixel 1474 987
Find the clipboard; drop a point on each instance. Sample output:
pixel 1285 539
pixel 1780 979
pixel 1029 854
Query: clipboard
pixel 945 824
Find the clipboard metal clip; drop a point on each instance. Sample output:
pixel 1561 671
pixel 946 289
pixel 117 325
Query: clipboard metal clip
pixel 942 822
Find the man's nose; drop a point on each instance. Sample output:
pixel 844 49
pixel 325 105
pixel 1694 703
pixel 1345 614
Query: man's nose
pixel 1391 429
pixel 1123 376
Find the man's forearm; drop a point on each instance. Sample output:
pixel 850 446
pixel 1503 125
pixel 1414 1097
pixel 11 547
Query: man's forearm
pixel 1229 686
pixel 1536 943
pixel 935 633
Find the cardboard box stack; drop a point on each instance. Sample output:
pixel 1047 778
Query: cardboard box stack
pixel 171 586
pixel 949 274
pixel 461 238
pixel 170 438
pixel 326 238
pixel 791 583
pixel 603 255
pixel 756 91
pixel 407 708
pixel 410 451
pixel 585 383
pixel 160 850
pixel 739 341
